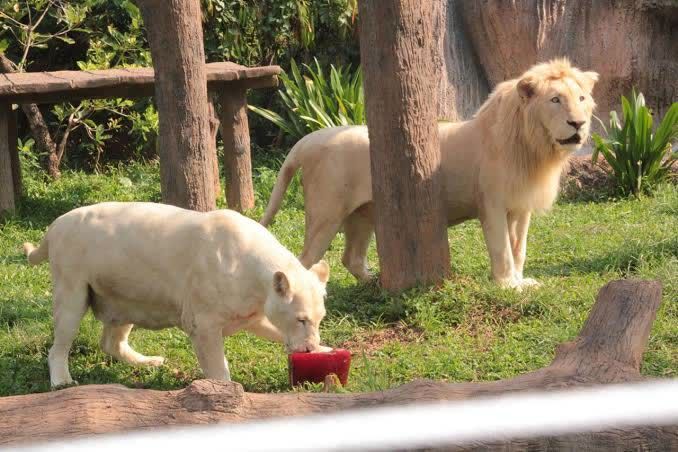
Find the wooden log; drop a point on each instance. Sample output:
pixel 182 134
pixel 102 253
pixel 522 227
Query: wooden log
pixel 607 350
pixel 7 184
pixel 237 160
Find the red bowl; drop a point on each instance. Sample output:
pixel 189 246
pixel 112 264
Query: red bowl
pixel 314 367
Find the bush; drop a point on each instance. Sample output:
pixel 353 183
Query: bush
pixel 313 102
pixel 638 157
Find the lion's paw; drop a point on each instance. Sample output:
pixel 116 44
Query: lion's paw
pixel 519 284
pixel 529 282
pixel 153 361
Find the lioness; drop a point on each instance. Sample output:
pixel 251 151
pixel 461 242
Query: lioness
pixel 499 167
pixel 157 266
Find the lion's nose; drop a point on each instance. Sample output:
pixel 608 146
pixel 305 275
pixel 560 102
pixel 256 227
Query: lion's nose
pixel 576 124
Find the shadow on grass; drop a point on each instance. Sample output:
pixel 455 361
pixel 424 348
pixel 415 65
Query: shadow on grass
pixel 624 260
pixel 42 211
pixel 11 314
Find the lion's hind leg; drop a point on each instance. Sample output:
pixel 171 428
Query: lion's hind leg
pixel 114 341
pixel 358 230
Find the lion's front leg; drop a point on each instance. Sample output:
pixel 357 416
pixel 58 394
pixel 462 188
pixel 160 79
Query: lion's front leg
pixel 519 223
pixel 496 232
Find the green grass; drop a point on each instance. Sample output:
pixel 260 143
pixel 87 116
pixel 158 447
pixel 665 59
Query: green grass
pixel 467 330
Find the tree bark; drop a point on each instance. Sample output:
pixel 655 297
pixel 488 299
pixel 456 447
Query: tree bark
pixel 237 158
pixel 463 87
pixel 174 30
pixel 630 43
pixel 607 350
pixel 39 130
pixel 401 63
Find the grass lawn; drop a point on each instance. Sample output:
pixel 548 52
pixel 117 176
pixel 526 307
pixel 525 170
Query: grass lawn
pixel 468 330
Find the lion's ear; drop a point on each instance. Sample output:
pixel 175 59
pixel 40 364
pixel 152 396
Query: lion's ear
pixel 526 87
pixel 588 79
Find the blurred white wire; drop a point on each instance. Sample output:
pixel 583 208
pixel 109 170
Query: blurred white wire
pixel 506 417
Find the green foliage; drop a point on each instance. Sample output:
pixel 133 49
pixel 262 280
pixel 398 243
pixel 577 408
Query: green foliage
pixel 257 32
pixel 32 25
pixel 314 102
pixel 466 330
pixel 102 34
pixel 639 158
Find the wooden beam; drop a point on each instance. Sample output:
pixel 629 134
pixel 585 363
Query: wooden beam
pixel 237 160
pixel 60 86
pixel 7 184
pixel 606 351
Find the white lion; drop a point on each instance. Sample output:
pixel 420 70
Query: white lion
pixel 498 167
pixel 157 266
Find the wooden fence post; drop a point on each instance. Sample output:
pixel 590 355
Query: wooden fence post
pixel 7 149
pixel 14 152
pixel 237 159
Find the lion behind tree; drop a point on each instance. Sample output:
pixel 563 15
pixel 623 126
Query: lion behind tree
pixel 498 167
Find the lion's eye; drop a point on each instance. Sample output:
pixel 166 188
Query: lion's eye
pixel 555 100
pixel 302 321
pixel 581 98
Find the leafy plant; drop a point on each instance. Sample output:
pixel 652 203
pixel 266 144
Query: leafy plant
pixel 638 157
pixel 32 25
pixel 313 101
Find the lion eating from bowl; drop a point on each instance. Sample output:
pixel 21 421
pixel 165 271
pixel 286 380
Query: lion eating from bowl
pixel 499 167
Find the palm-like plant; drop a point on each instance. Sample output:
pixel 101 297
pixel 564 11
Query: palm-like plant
pixel 638 157
pixel 313 101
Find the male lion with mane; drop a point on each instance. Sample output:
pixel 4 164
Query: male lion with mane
pixel 498 167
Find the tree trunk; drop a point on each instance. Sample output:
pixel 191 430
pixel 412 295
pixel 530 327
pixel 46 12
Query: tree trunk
pixel 39 130
pixel 401 63
pixel 174 30
pixel 237 159
pixel 629 42
pixel 463 87
pixel 608 350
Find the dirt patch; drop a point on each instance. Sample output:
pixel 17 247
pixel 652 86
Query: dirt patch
pixel 582 175
pixel 372 341
pixel 481 324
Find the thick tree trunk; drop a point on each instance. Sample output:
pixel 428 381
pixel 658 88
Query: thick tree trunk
pixel 463 87
pixel 39 130
pixel 401 63
pixel 629 42
pixel 237 159
pixel 608 350
pixel 174 31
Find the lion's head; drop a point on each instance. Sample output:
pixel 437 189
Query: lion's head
pixel 546 109
pixel 559 97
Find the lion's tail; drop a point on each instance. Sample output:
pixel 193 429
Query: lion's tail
pixel 36 255
pixel 289 167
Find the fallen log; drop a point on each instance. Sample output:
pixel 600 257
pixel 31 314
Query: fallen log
pixel 608 349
